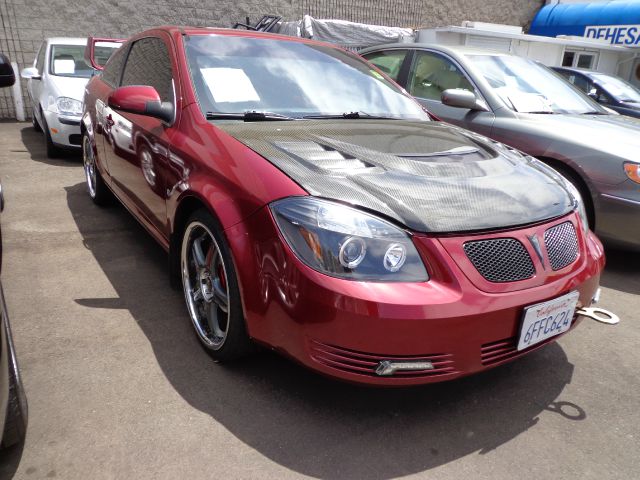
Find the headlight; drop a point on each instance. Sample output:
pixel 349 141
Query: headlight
pixel 344 242
pixel 69 106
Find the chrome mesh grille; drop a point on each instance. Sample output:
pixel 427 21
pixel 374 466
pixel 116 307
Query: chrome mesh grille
pixel 500 259
pixel 562 245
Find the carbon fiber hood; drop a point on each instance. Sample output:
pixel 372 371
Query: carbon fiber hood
pixel 429 176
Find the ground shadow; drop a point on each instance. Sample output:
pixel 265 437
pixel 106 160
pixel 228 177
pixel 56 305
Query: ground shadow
pixel 305 422
pixel 623 271
pixel 34 145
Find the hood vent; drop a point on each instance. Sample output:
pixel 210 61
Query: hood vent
pixel 323 158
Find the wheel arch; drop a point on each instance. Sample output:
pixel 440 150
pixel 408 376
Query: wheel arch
pixel 579 180
pixel 187 205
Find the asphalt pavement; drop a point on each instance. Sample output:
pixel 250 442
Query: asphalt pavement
pixel 118 386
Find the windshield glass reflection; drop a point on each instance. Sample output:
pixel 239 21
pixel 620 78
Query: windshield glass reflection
pixel 234 74
pixel 526 86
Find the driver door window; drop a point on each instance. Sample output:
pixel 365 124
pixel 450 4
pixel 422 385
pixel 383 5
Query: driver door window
pixel 148 63
pixel 431 74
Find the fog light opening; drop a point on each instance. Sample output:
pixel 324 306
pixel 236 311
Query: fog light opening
pixel 387 367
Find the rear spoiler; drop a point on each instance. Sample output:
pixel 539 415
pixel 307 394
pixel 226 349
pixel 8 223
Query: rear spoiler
pixel 99 50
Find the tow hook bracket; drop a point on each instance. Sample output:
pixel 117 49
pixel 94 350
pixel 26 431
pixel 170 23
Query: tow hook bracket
pixel 599 315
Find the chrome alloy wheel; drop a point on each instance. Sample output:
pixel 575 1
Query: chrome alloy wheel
pixel 89 161
pixel 204 281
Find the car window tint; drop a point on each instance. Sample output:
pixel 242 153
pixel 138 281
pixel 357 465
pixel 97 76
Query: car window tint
pixel 149 64
pixel 40 58
pixel 389 61
pixel 431 74
pixel 113 68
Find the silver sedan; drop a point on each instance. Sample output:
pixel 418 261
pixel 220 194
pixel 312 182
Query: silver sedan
pixel 524 104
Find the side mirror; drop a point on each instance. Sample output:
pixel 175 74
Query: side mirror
pixel 593 93
pixel 30 73
pixel 7 77
pixel 459 98
pixel 142 100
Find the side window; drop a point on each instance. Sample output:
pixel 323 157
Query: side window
pixel 149 64
pixel 431 74
pixel 113 69
pixel 40 58
pixel 389 61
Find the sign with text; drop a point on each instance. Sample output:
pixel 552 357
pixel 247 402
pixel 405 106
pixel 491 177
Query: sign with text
pixel 624 35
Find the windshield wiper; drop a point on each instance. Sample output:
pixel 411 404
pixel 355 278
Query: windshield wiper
pixel 350 116
pixel 541 112
pixel 247 116
pixel 595 112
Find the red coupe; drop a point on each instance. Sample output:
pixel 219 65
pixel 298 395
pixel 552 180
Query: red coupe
pixel 309 204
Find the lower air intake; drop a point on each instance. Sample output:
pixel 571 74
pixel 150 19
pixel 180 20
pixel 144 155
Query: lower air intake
pixel 360 363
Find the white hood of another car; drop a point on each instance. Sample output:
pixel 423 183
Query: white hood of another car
pixel 72 87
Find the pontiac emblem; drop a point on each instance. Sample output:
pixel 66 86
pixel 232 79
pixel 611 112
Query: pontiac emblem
pixel 536 246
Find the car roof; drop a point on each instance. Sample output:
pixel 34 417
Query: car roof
pixel 460 50
pixel 67 41
pixel 232 32
pixel 585 71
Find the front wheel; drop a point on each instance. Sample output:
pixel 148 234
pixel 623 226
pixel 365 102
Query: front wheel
pixel 34 121
pixel 211 289
pixel 96 187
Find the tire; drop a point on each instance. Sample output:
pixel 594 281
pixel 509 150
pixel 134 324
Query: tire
pixel 97 189
pixel 34 121
pixel 15 425
pixel 52 150
pixel 211 291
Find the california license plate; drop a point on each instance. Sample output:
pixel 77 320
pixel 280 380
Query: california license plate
pixel 547 319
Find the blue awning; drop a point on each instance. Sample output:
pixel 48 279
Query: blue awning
pixel 617 21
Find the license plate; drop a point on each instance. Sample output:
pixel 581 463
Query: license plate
pixel 547 319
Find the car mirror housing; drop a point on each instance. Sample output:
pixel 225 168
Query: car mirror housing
pixel 7 76
pixel 30 73
pixel 457 97
pixel 141 100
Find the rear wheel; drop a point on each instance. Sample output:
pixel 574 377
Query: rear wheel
pixel 211 289
pixel 96 187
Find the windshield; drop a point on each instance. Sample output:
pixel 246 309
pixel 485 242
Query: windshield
pixel 526 86
pixel 68 61
pixel 234 74
pixel 618 88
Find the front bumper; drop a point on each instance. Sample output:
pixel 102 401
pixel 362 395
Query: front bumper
pixel 345 329
pixel 64 130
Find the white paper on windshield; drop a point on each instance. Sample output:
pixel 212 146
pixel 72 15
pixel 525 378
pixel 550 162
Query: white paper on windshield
pixel 529 102
pixel 64 66
pixel 229 85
